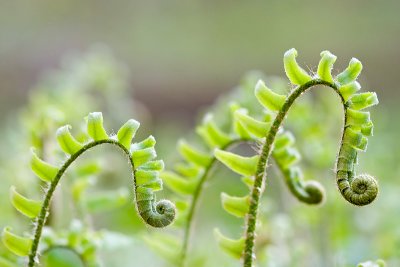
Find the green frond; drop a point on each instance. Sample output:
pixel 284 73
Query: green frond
pixel 27 207
pixel 20 246
pixel 357 118
pixel 347 90
pixel 351 73
pixel 242 165
pixel 237 206
pixel 146 143
pixel 42 169
pixel 238 128
pixel 325 66
pixel 154 165
pixel 363 100
pixel 268 98
pixel 149 179
pixel 143 156
pixel 66 141
pixel 294 72
pixel 211 134
pixel 127 132
pixel 367 129
pixel 231 246
pixel 258 128
pixel 193 155
pixel 95 127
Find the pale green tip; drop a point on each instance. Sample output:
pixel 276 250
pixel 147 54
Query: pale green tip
pixel 325 66
pixel 268 98
pixel 294 72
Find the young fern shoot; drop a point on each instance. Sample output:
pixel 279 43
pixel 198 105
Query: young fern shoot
pixel 145 173
pixel 359 190
pixel 189 176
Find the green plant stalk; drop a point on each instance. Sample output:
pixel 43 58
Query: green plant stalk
pixel 194 202
pixel 49 194
pixel 256 193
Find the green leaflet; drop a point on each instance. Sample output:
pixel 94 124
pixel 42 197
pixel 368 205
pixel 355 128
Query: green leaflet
pixel 352 137
pixel 142 156
pixel 237 126
pixel 20 246
pixel 193 155
pixel 155 165
pixel 127 132
pixel 237 206
pixel 325 66
pixel 351 73
pixel 367 129
pixel 363 100
pixel 258 128
pixel 28 207
pixel 357 118
pixel 149 179
pixel 146 143
pixel 242 165
pixel 233 247
pixel 294 72
pixel 178 183
pixel 66 141
pixel 43 170
pixel 212 135
pixel 268 98
pixel 347 90
pixel 95 127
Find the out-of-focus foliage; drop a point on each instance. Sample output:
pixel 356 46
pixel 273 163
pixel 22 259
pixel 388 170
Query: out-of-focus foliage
pixel 93 81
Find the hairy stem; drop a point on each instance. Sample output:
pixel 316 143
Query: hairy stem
pixel 260 175
pixel 41 220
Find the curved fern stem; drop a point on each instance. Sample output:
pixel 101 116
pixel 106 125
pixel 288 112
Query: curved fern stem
pixel 263 161
pixel 163 208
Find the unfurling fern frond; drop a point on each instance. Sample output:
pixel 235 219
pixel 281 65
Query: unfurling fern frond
pixel 145 171
pixel 189 176
pixel 358 190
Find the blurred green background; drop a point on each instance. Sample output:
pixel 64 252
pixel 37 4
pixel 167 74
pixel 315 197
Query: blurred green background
pixel 177 58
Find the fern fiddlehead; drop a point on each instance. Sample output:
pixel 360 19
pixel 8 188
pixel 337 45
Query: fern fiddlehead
pixel 358 190
pixel 191 175
pixel 145 171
